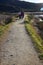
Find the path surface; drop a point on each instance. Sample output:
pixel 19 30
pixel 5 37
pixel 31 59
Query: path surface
pixel 18 48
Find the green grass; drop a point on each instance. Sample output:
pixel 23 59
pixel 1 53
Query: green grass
pixel 36 38
pixel 38 42
pixel 3 28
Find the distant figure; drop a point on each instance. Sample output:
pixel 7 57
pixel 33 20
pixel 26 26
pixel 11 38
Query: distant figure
pixel 21 14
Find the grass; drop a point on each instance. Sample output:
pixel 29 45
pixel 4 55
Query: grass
pixel 35 37
pixel 3 29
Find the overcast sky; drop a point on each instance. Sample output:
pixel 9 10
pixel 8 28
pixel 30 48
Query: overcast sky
pixel 36 1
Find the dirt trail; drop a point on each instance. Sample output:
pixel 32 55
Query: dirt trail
pixel 18 48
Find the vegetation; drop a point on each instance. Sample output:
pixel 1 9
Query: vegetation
pixel 40 27
pixel 41 56
pixel 38 42
pixel 3 28
pixel 8 20
pixel 16 5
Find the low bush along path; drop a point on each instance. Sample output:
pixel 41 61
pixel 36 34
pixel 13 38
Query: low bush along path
pixel 18 48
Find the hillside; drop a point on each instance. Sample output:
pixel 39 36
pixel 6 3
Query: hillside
pixel 15 6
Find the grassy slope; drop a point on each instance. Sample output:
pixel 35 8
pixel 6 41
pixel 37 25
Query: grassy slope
pixel 35 37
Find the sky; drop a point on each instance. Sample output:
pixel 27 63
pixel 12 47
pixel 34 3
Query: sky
pixel 35 1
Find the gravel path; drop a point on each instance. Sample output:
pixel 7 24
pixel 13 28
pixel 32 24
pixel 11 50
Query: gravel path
pixel 18 48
